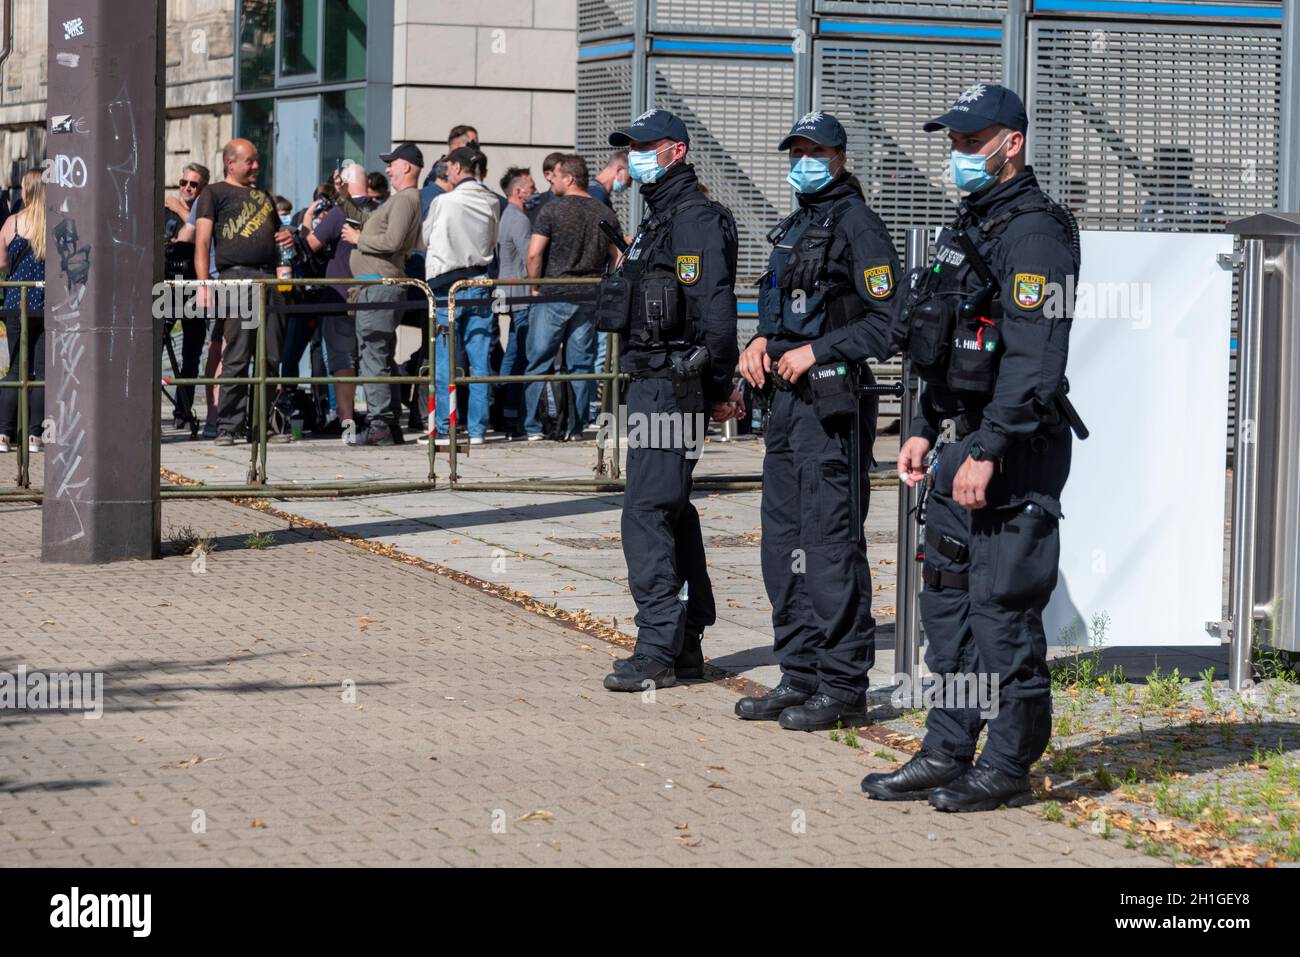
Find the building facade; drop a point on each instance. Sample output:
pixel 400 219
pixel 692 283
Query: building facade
pixel 314 82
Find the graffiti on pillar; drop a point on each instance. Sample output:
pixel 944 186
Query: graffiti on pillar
pixel 68 351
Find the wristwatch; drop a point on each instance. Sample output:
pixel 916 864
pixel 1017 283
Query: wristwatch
pixel 980 454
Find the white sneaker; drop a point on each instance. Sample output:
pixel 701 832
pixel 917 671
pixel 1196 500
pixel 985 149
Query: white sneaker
pixel 442 441
pixel 476 440
pixel 34 443
pixel 536 438
pixel 4 444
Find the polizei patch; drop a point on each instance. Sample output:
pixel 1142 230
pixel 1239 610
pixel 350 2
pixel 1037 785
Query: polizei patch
pixel 1029 289
pixel 688 269
pixel 880 281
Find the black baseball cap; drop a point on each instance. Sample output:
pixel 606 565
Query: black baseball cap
pixel 821 128
pixel 980 106
pixel 649 126
pixel 405 151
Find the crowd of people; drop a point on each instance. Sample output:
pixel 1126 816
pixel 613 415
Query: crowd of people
pixel 441 223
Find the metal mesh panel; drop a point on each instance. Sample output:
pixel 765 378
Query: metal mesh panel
pixel 734 150
pixel 777 16
pixel 952 9
pixel 604 104
pixel 1167 128
pixel 882 93
pixel 601 17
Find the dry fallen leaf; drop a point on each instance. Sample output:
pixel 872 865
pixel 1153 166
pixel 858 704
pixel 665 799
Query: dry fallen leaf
pixel 257 823
pixel 538 816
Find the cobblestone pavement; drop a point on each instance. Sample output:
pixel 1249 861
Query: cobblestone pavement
pixel 479 733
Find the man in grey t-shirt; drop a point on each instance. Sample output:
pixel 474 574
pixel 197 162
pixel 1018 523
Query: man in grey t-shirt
pixel 512 255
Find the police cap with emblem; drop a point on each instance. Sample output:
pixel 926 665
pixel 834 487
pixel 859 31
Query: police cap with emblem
pixel 821 128
pixel 981 106
pixel 650 126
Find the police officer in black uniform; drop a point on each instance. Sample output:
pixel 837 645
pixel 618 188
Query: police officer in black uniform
pixel 827 303
pixel 673 300
pixel 988 331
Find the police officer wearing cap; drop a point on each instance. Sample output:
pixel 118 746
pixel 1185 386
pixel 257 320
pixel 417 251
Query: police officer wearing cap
pixel 988 329
pixel 672 299
pixel 826 304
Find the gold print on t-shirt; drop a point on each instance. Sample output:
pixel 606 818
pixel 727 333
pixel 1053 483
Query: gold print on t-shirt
pixel 252 216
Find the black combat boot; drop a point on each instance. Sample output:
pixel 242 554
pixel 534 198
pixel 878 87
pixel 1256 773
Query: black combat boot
pixel 982 789
pixel 916 779
pixel 821 712
pixel 768 707
pixel 639 673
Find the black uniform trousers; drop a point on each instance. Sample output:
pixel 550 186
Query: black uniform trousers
pixel 814 562
pixel 993 628
pixel 662 542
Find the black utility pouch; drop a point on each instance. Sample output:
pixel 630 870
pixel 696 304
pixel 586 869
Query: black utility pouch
pixel 834 389
pixel 663 307
pixel 614 304
pixel 807 261
pixel 929 335
pixel 973 364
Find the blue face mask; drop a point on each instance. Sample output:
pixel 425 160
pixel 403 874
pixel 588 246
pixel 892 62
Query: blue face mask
pixel 620 185
pixel 286 220
pixel 810 174
pixel 643 166
pixel 969 170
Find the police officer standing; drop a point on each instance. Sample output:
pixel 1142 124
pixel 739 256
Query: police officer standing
pixel 826 304
pixel 673 300
pixel 988 331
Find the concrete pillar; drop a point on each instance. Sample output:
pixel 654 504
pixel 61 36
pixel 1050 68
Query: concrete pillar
pixel 103 252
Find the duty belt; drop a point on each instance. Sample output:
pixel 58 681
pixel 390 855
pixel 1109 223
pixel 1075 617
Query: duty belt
pixel 938 579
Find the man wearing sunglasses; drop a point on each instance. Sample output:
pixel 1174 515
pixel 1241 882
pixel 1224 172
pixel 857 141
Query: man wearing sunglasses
pixel 179 231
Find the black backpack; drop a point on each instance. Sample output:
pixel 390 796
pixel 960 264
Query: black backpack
pixel 557 406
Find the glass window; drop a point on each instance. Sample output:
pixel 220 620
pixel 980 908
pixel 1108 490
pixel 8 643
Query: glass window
pixel 256 44
pixel 299 38
pixel 343 136
pixel 257 124
pixel 345 40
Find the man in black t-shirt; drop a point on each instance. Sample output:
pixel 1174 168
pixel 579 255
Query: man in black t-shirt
pixel 567 241
pixel 241 220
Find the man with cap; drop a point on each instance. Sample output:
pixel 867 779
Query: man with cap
pixel 673 300
pixel 988 328
pixel 385 238
pixel 827 303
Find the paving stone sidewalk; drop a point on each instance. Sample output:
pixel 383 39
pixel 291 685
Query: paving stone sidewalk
pixel 479 734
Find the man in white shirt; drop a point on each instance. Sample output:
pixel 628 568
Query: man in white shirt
pixel 460 233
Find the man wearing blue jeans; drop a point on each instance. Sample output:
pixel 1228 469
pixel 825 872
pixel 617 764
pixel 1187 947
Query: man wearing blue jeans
pixel 567 241
pixel 460 232
pixel 549 324
pixel 474 326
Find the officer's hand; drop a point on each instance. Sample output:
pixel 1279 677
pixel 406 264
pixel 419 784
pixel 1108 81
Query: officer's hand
pixel 733 408
pixel 911 460
pixel 754 363
pixel 795 363
pixel 970 483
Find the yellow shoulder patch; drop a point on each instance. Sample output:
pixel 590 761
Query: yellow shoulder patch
pixel 1030 288
pixel 880 281
pixel 688 269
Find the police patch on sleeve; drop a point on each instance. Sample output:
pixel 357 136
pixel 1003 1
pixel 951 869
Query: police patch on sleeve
pixel 688 269
pixel 880 281
pixel 1029 289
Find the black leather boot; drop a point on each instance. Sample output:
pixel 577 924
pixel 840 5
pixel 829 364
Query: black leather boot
pixel 916 779
pixel 768 707
pixel 982 789
pixel 640 673
pixel 821 712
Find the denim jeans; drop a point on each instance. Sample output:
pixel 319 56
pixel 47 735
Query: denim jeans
pixel 515 362
pixel 474 326
pixel 549 324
